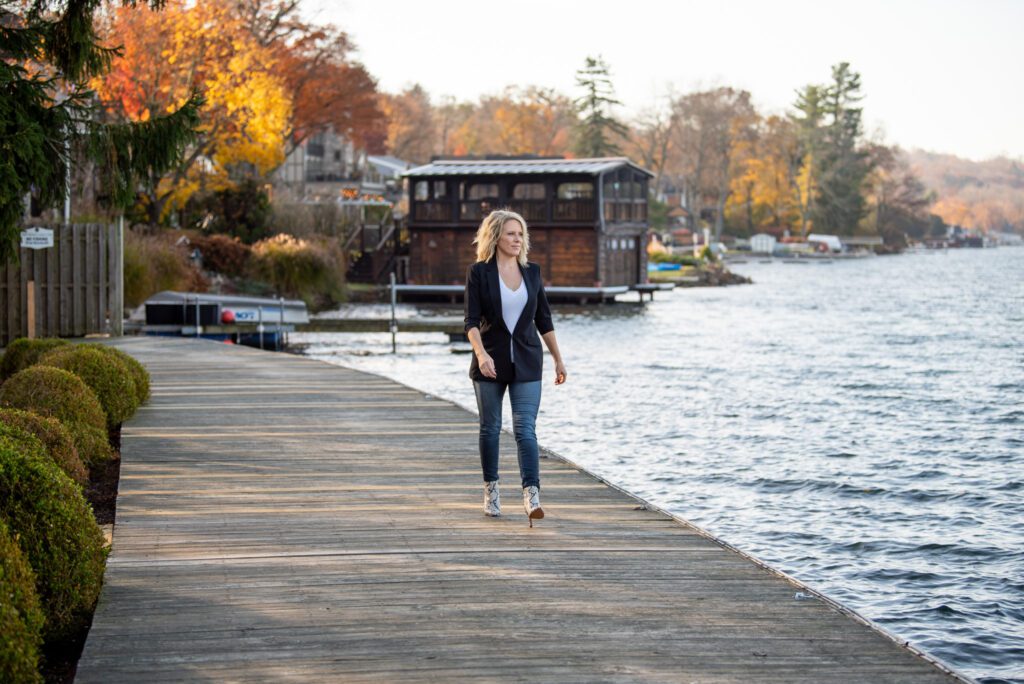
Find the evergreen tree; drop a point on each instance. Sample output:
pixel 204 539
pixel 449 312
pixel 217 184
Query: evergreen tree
pixel 596 127
pixel 844 165
pixel 50 52
pixel 807 164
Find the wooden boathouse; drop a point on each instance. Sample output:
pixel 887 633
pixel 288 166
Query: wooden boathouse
pixel 587 218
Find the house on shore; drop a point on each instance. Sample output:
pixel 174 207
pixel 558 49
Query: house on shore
pixel 587 217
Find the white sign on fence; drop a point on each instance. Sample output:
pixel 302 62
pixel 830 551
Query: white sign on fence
pixel 37 238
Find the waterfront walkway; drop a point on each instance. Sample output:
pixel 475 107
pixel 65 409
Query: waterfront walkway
pixel 281 519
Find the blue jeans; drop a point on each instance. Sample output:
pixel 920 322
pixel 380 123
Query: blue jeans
pixel 525 398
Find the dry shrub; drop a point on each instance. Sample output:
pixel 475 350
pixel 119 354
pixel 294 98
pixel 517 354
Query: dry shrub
pixel 312 270
pixel 154 263
pixel 309 220
pixel 223 254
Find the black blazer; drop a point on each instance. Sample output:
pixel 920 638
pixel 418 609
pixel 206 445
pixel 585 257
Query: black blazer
pixel 483 310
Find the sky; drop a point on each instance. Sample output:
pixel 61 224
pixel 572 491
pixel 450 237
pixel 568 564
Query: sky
pixel 940 75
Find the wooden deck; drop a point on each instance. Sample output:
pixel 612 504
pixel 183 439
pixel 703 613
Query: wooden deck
pixel 281 519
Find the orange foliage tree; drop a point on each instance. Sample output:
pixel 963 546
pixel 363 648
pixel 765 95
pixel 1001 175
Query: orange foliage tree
pixel 198 47
pixel 329 90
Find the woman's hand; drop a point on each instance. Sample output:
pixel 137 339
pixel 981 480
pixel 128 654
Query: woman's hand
pixel 486 363
pixel 560 374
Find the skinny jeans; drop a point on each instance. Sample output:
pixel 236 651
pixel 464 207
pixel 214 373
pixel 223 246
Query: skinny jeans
pixel 525 398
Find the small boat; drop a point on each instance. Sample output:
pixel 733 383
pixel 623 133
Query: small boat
pixel 262 322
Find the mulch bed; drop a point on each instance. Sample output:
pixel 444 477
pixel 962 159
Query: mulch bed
pixel 61 660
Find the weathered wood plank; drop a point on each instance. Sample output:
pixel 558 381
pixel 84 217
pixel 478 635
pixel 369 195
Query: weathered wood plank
pixel 313 523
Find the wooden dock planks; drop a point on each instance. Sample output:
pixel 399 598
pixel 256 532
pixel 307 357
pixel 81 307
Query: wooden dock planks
pixel 329 527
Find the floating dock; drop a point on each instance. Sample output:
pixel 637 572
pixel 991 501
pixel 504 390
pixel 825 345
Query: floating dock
pixel 282 519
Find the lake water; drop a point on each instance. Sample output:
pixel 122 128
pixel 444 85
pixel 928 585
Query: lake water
pixel 857 424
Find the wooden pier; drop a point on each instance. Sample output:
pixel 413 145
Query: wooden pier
pixel 281 519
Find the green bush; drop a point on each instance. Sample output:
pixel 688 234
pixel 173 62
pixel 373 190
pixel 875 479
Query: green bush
pixel 241 211
pixel 105 374
pixel 313 270
pixel 666 258
pixel 23 352
pixel 21 619
pixel 54 436
pixel 140 376
pixel 55 530
pixel 60 394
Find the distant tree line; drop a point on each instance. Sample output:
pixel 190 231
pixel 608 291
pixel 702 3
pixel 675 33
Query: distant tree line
pixel 176 111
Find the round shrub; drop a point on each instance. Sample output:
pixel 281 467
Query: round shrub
pixel 140 376
pixel 54 436
pixel 21 619
pixel 62 395
pixel 55 530
pixel 23 352
pixel 106 375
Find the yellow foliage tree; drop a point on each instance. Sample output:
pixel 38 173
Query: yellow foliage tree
pixel 206 48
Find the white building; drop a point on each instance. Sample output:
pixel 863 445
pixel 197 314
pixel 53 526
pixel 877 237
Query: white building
pixel 762 243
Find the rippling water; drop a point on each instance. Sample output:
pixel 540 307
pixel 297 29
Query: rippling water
pixel 858 425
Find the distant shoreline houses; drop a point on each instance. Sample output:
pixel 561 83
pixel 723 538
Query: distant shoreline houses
pixel 326 166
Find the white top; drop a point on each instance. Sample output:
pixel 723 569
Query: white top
pixel 512 304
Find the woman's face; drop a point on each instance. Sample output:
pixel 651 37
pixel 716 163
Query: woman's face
pixel 511 241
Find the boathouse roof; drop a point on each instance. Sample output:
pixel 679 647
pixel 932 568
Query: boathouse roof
pixel 495 167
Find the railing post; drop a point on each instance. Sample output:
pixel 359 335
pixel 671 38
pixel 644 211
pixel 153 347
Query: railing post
pixel 394 322
pixel 259 327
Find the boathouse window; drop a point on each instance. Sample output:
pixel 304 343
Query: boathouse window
pixel 571 191
pixel 574 202
pixel 530 200
pixel 529 191
pixel 422 191
pixel 477 199
pixel 431 201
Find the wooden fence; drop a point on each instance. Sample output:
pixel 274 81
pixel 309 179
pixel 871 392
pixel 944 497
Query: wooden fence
pixel 75 287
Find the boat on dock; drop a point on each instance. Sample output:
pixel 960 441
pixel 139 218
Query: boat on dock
pixel 261 322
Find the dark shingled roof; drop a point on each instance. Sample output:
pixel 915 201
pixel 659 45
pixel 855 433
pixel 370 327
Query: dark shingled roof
pixel 458 167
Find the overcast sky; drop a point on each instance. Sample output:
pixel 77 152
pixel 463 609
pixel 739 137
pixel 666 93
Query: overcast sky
pixel 942 75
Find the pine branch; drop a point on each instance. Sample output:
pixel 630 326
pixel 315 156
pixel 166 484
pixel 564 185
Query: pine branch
pixel 128 152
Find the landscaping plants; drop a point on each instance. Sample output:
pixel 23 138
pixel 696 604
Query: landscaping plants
pixel 63 395
pixel 107 376
pixel 21 618
pixel 55 438
pixel 55 531
pixel 23 352
pixel 138 372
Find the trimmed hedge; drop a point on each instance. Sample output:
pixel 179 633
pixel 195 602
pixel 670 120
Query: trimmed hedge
pixel 54 436
pixel 105 374
pixel 21 618
pixel 138 372
pixel 60 394
pixel 55 529
pixel 23 352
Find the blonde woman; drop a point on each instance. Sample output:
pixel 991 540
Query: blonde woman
pixel 506 309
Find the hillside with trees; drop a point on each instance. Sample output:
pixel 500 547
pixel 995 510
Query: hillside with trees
pixel 987 195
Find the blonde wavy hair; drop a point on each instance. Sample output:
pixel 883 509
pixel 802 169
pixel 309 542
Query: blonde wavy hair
pixel 489 232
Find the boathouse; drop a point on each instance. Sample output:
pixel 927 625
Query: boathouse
pixel 587 217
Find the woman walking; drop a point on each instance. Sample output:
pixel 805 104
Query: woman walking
pixel 506 308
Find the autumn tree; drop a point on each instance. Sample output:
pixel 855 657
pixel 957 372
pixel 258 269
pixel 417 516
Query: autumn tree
pixel 329 90
pixel 709 127
pixel 207 48
pixel 898 201
pixel 51 52
pixel 650 140
pixel 597 130
pixel 516 121
pixel 411 132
